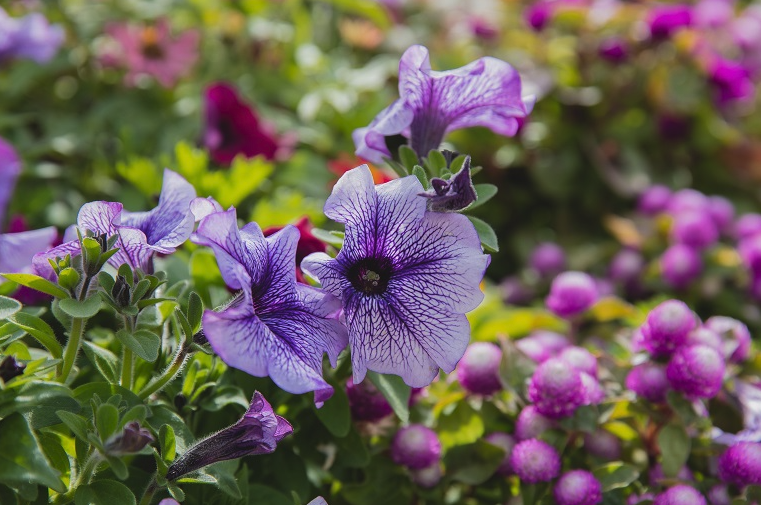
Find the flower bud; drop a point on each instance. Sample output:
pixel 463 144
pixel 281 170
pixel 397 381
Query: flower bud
pixel 741 464
pixel 571 293
pixel 649 381
pixel 535 461
pixel 131 440
pixel 681 494
pixel 680 265
pixel 68 278
pixel 697 371
pixel 506 443
pixel 578 487
pixel 531 423
pixel 695 229
pixel 10 368
pixel 666 327
pixel 120 292
pixel 415 446
pixel 547 259
pixel 556 389
pixel 478 370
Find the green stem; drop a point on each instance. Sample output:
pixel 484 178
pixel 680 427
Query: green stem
pixel 84 477
pixel 128 363
pixel 149 492
pixel 167 375
pixel 72 347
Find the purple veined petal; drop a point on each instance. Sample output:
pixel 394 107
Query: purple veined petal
pixel 18 249
pixel 318 302
pixel 202 207
pixel 40 263
pixel 105 218
pixel 325 269
pixel 171 222
pixel 318 501
pixel 370 141
pixel 10 167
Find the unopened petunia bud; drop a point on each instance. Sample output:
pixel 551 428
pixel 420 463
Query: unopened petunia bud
pixel 454 194
pixel 578 487
pixel 131 440
pixel 10 368
pixel 120 292
pixel 415 446
pixel 68 278
pixel 534 461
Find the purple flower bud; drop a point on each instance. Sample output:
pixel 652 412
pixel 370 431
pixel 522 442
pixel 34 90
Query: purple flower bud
pixel 665 20
pixel 697 371
pixel 478 370
pixel 687 200
pixel 741 464
pixel 366 402
pixel 603 444
pixel 722 212
pixel 649 381
pixel 695 229
pixel 614 50
pixel 680 265
pixel 747 226
pixel 578 487
pixel 506 443
pixel 454 194
pixel 736 343
pixel 571 293
pixel 538 15
pixel 10 368
pixel 427 477
pixel 579 358
pixel 534 461
pixel 654 200
pixel 542 345
pixel 719 495
pixel 415 446
pixel 556 389
pixel 626 266
pixel 531 424
pixel 681 494
pixel 131 440
pixel 592 391
pixel 666 327
pixel 548 259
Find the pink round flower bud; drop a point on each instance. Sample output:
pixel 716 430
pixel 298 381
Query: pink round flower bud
pixel 747 226
pixel 531 424
pixel 603 444
pixel 649 381
pixel 741 464
pixel 695 229
pixel 427 477
pixel 478 370
pixel 697 371
pixel 592 391
pixel 680 265
pixel 687 200
pixel 366 402
pixel 705 336
pixel 722 212
pixel 666 327
pixel 654 200
pixel 579 358
pixel 535 461
pixel 556 389
pixel 634 498
pixel 538 15
pixel 506 443
pixel 415 446
pixel 719 495
pixel 626 266
pixel 736 337
pixel 572 293
pixel 578 487
pixel 542 345
pixel 656 474
pixel 750 253
pixel 548 259
pixel 681 494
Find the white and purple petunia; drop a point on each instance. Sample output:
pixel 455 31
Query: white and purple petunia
pixel 276 328
pixel 406 277
pixel 141 234
pixel 486 92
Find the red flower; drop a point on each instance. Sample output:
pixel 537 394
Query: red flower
pixel 308 244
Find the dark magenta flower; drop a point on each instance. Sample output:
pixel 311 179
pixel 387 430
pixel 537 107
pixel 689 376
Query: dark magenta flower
pixel 614 50
pixel 667 326
pixel 30 37
pixel 722 212
pixel 535 461
pixel 415 446
pixel 478 370
pixel 649 381
pixel 697 371
pixel 257 432
pixel 572 293
pixel 366 402
pixel 547 259
pixel 687 200
pixel 666 19
pixel 531 423
pixel 681 494
pixel 307 245
pixel 680 265
pixel 277 328
pixel 556 389
pixel 406 277
pixel 696 229
pixel 732 81
pixel 486 92
pixel 538 15
pixel 232 127
pixel 506 443
pixel 578 487
pixel 541 345
pixel 747 225
pixel 741 464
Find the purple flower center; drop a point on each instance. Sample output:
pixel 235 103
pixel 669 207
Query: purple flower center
pixel 371 275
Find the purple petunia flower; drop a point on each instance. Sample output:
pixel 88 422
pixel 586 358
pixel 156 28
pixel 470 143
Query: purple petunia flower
pixel 405 276
pixel 486 92
pixel 277 328
pixel 578 487
pixel 141 234
pixel 31 37
pixel 257 432
pixel 415 446
pixel 534 461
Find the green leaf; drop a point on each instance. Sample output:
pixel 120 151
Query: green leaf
pixel 461 426
pixel 473 463
pixel 140 289
pixel 485 193
pixel 21 457
pixel 408 157
pixel 118 467
pixel 333 238
pixel 77 424
pixel 397 167
pixel 143 343
pixel 8 307
pixel 106 281
pixel 397 393
pixel 136 413
pixel 485 234
pixel 419 172
pixel 106 420
pixel 675 448
pixel 168 443
pixel 195 311
pixel 682 406
pixel 616 475
pixel 104 492
pixel 335 414
pixel 352 450
pixel 40 330
pixel 37 283
pixel 436 162
pixel 268 496
pixel 81 309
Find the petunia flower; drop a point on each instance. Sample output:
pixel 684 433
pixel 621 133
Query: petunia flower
pixel 30 37
pixel 232 127
pixel 152 51
pixel 486 92
pixel 141 234
pixel 406 277
pixel 257 432
pixel 307 244
pixel 276 328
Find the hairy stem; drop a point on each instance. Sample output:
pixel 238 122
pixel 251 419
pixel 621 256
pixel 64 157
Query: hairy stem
pixel 72 347
pixel 167 375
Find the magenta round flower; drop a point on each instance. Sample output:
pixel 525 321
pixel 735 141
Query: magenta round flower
pixel 695 229
pixel 578 487
pixel 732 81
pixel 572 293
pixel 538 15
pixel 649 381
pixel 548 259
pixel 428 476
pixel 697 371
pixel 531 423
pixel 506 443
pixel 705 336
pixel 736 337
pixel 613 49
pixel 603 444
pixel 556 389
pixel 680 265
pixel 747 226
pixel 750 253
pixel 478 370
pixel 626 266
pixel 681 494
pixel 666 19
pixel 592 391
pixel 719 495
pixel 654 200
pixel 366 402
pixel 415 446
pixel 741 464
pixel 534 461
pixel 542 345
pixel 666 327
pixel 687 200
pixel 579 358
pixel 722 211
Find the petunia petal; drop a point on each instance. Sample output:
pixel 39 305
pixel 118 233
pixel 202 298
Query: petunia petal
pixel 10 168
pixel 18 249
pixel 371 140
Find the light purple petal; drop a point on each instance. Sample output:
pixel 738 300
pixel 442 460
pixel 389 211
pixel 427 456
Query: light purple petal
pixel 18 249
pixel 202 207
pixel 40 263
pixel 10 168
pixel 370 141
pixel 37 39
pixel 105 218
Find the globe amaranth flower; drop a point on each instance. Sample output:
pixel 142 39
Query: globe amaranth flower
pixel 681 494
pixel 151 50
pixel 415 446
pixel 535 461
pixel 735 337
pixel 572 293
pixel 666 19
pixel 680 265
pixel 231 127
pixel 541 345
pixel 578 487
pixel 307 245
pixel 547 259
pixel 531 423
pixel 649 381
pixel 626 266
pixel 732 81
pixel 687 200
pixel 276 327
pixel 257 432
pixel 741 464
pixel 654 200
pixel 722 211
pixel 556 389
pixel 613 49
pixel 603 444
pixel 478 370
pixel 366 402
pixel 579 358
pixel 695 229
pixel 506 443
pixel 405 276
pixel 141 234
pixel 667 327
pixel 747 226
pixel 428 476
pixel 697 371
pixel 719 495
pixel 486 92
pixel 30 37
